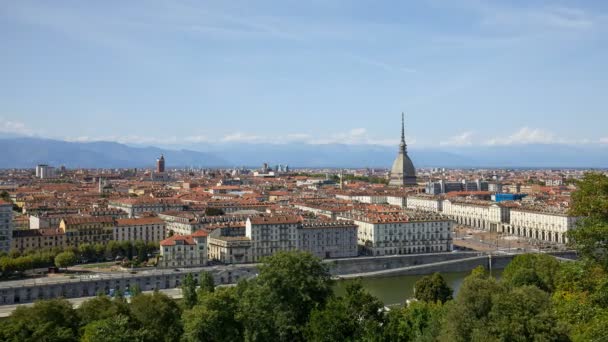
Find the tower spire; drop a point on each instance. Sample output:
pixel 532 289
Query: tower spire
pixel 402 145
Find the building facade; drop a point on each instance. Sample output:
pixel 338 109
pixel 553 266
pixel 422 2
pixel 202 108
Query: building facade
pixel 37 239
pixel 270 234
pixel 90 230
pixel 425 203
pixel 6 225
pixel 147 229
pixel 328 239
pixel 543 225
pixel 184 250
pixel 413 233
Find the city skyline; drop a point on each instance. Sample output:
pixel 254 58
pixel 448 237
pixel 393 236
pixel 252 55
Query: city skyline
pixel 187 74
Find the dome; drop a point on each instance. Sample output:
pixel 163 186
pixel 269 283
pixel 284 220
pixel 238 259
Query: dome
pixel 403 172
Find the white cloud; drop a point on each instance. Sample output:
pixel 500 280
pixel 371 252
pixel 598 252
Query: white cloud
pixel 354 136
pixel 14 127
pixel 525 135
pixel 604 140
pixel 463 139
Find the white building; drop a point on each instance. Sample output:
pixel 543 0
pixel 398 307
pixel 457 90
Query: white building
pixel 425 203
pixel 6 226
pixel 137 206
pixel 184 250
pixel 400 201
pixel 328 239
pixel 44 171
pixel 230 249
pixel 415 232
pixel 545 225
pixel 148 229
pixel 484 215
pixel 270 234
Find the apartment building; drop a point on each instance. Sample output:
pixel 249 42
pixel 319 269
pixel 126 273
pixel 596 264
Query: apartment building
pixel 328 239
pixel 82 229
pixel 148 229
pixel 270 234
pixel 184 250
pixel 6 225
pixel 425 202
pixel 37 239
pixel 410 233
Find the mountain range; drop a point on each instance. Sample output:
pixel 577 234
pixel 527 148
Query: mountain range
pixel 26 152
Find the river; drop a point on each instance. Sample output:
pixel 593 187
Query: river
pixel 395 290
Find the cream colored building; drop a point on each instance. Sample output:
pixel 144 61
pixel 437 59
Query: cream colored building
pixel 148 229
pixel 230 249
pixel 549 225
pixel 412 233
pixel 137 206
pixel 425 203
pixel 485 215
pixel 328 239
pixel 92 230
pixel 184 250
pixel 270 234
pixel 37 239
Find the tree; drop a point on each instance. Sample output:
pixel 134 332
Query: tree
pixel 522 314
pixel 532 269
pixel 277 304
pixel 5 196
pixel 591 197
pixel 100 308
pixel 207 284
pixel 432 288
pixel 86 251
pixel 189 291
pixel 590 201
pixel 353 317
pixel 111 329
pixel 47 320
pixel 418 321
pixel 214 318
pixel 471 307
pixel 157 316
pixel 65 259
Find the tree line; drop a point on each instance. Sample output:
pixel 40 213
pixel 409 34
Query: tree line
pixel 132 253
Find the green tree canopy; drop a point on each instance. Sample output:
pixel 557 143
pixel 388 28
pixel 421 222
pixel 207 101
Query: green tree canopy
pixel 590 201
pixel 47 320
pixel 111 329
pixel 432 288
pixel 355 317
pixel 158 317
pixel 65 259
pixel 207 284
pixel 539 270
pixel 189 291
pixel 214 318
pixel 277 304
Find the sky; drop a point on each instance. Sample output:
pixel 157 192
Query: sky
pixel 173 72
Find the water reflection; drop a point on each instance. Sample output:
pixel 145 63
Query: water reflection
pixel 395 290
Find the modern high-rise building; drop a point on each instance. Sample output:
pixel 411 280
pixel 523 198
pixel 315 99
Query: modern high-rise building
pixel 44 171
pixel 160 164
pixel 403 172
pixel 6 225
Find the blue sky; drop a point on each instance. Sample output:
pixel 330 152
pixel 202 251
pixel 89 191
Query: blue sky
pixel 195 72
